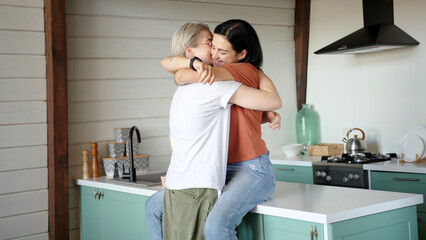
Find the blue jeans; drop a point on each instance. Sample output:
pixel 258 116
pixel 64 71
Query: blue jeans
pixel 154 215
pixel 248 184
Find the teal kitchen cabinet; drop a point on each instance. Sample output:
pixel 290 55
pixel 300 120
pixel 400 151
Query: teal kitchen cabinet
pixel 297 174
pixel 391 225
pixel 106 214
pixel 277 228
pixel 265 227
pixel 407 183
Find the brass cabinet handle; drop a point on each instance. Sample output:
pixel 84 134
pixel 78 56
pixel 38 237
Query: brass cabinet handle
pixel 98 194
pixel 286 169
pixel 406 179
pixel 313 233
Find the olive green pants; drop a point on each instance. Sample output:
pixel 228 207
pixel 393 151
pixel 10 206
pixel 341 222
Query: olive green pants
pixel 185 212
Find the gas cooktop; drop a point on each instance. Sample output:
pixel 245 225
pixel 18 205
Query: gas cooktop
pixel 358 158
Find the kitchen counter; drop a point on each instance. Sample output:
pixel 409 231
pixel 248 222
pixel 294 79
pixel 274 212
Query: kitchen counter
pixel 396 166
pixel 307 202
pixel 305 161
pixel 389 166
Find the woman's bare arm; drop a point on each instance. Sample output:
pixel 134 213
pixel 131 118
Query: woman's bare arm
pixel 173 63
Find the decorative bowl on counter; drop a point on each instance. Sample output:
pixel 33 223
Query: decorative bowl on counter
pixel 141 163
pixel 291 150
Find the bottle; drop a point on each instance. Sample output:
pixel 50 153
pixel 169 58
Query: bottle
pixel 307 127
pixel 85 164
pixel 95 172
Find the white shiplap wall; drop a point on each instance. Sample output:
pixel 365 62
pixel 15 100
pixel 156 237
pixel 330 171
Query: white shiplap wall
pixel 115 78
pixel 23 132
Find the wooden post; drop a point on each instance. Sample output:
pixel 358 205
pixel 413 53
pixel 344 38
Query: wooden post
pixel 57 118
pixel 301 42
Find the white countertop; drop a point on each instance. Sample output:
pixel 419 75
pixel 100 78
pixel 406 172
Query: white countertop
pixel 102 182
pixel 307 202
pixel 327 204
pixel 396 165
pixel 305 161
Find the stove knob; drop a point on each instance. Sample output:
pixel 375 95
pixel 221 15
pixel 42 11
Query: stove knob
pixel 356 176
pixel 350 176
pixel 345 179
pixel 318 173
pixel 323 174
pixel 328 178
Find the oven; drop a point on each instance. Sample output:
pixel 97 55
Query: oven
pixel 345 176
pixel 346 170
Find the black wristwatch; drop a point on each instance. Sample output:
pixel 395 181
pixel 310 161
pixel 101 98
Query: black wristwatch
pixel 191 63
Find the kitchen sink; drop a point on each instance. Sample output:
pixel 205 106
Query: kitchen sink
pixel 146 179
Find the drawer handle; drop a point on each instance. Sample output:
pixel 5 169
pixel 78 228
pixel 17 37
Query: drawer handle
pixel 406 179
pixel 313 233
pixel 286 169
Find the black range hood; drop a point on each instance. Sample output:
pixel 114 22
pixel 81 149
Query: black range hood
pixel 379 33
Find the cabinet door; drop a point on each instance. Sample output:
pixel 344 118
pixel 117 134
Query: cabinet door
pixel 297 174
pixel 400 182
pixel 115 215
pixel 277 228
pixel 90 214
pixel 124 216
pixel 399 224
pixel 251 228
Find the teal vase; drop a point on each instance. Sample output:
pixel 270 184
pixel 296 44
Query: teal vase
pixel 307 127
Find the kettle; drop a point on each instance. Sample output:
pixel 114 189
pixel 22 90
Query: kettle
pixel 355 145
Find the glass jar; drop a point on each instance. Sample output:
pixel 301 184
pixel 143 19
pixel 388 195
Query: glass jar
pixel 307 127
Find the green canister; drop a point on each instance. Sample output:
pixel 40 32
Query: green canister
pixel 307 127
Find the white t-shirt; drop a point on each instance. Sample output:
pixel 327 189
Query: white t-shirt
pixel 199 133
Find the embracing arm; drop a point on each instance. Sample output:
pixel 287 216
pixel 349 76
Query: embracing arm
pixel 173 63
pixel 266 98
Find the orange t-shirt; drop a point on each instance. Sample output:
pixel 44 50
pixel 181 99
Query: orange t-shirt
pixel 245 135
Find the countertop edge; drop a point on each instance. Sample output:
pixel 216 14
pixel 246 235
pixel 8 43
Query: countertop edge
pixel 145 191
pixel 376 208
pixel 395 168
pixel 292 163
pixel 322 218
pixel 340 216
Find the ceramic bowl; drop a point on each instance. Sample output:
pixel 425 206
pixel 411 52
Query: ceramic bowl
pixel 291 150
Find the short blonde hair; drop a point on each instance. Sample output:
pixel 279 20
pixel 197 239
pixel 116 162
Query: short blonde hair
pixel 187 35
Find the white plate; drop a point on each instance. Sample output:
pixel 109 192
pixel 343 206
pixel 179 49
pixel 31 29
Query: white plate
pixel 416 130
pixel 412 147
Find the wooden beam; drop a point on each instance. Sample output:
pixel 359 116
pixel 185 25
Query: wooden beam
pixel 301 41
pixel 57 118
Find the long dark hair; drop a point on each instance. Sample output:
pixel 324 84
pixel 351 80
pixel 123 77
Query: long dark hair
pixel 242 36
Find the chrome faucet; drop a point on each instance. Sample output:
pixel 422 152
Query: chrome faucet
pixel 132 168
